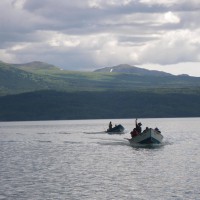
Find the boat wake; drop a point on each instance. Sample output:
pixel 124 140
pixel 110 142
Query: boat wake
pixel 64 133
pixel 147 146
pixel 101 132
pixel 166 142
pixel 41 133
pixel 113 143
pixel 71 142
pixel 45 141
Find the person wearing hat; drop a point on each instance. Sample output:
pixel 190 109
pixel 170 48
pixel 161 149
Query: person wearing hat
pixel 138 126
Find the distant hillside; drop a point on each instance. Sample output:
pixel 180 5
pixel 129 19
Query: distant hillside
pixel 15 79
pixel 124 68
pixel 39 91
pixel 53 105
pixel 35 66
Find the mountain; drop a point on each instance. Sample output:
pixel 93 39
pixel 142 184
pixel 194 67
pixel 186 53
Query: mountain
pixel 39 91
pixel 15 79
pixel 124 68
pixel 36 66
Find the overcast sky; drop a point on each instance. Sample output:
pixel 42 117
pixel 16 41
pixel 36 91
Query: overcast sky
pixel 89 34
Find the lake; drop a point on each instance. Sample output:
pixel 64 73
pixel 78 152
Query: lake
pixel 74 159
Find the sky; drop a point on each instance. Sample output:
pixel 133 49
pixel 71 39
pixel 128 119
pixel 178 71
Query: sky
pixel 90 34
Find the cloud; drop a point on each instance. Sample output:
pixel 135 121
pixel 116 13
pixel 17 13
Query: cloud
pixel 94 33
pixel 175 46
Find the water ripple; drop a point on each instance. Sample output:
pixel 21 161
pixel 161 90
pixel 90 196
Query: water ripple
pixel 46 162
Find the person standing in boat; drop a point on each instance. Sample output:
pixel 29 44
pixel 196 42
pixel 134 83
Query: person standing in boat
pixel 137 130
pixel 138 127
pixel 110 126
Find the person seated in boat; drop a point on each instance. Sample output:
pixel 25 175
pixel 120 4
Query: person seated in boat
pixel 110 126
pixel 134 133
pixel 157 130
pixel 147 128
pixel 138 127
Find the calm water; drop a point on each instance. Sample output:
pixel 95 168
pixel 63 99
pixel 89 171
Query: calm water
pixel 73 160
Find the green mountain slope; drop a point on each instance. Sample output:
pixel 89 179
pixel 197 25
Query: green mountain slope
pixel 37 67
pixel 124 68
pixel 13 80
pixel 38 91
pixel 33 77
